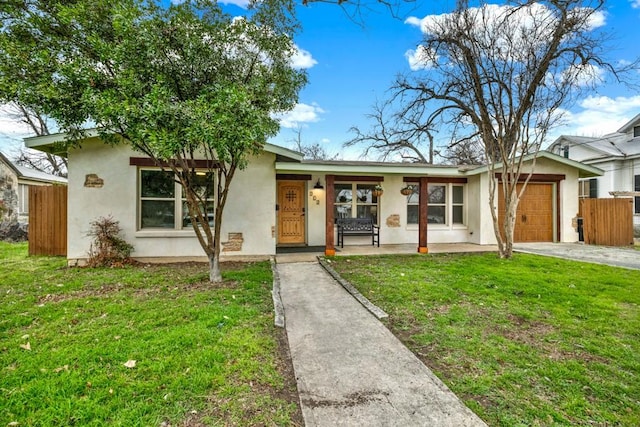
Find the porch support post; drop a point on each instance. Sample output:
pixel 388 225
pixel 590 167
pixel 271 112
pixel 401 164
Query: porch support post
pixel 423 206
pixel 330 249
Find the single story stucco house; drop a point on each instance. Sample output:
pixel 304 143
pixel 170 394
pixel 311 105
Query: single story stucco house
pixel 280 199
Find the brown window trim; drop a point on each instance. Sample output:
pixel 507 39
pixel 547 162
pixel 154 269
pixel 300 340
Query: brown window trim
pixel 358 178
pixel 292 177
pixel 193 163
pixel 538 177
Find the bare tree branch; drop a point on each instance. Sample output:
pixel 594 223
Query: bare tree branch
pixel 402 133
pixel 502 75
pixel 313 151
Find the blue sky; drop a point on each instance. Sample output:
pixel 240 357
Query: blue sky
pixel 352 64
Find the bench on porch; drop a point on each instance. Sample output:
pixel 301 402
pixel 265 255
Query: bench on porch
pixel 358 227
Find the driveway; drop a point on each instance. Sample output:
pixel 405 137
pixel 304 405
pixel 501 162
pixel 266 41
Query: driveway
pixel 614 256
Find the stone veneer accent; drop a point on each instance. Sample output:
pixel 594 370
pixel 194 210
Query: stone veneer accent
pixel 234 244
pixel 393 220
pixel 93 181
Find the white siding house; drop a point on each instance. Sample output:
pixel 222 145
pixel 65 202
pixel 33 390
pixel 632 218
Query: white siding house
pixel 617 154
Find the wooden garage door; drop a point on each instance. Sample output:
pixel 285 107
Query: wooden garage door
pixel 534 217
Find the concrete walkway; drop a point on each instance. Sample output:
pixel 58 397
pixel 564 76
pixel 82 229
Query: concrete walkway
pixel 351 370
pixel 614 256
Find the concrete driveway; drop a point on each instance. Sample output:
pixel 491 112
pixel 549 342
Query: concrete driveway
pixel 614 256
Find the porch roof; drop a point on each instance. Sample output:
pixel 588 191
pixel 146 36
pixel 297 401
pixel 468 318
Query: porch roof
pixel 362 167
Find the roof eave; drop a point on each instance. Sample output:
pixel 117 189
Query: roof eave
pixel 584 171
pixel 349 168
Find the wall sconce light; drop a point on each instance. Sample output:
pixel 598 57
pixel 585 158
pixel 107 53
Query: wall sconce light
pixel 314 194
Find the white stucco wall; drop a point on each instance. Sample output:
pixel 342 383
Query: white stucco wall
pixel 391 203
pixel 249 211
pixel 568 202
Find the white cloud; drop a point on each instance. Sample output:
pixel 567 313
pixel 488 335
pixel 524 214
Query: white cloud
pixel 325 140
pixel 580 76
pixel 421 58
pixel 240 3
pixel 301 113
pixel 302 59
pixel 635 4
pixel 597 116
pixel 487 20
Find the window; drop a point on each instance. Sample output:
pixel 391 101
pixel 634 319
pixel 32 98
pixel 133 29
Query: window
pixel 588 188
pixel 363 205
pixel 445 204
pixel 23 199
pixel 636 200
pixel 437 204
pixel 162 204
pixel 636 131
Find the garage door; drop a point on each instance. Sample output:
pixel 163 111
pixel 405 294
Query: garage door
pixel 534 217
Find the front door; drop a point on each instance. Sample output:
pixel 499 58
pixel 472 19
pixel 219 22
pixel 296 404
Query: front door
pixel 291 212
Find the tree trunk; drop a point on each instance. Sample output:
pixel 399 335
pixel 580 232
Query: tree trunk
pixel 511 206
pixel 215 275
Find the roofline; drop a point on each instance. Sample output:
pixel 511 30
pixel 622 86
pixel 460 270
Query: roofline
pixel 630 124
pixel 25 179
pixel 586 171
pixel 282 151
pixel 9 163
pixel 50 144
pixel 354 168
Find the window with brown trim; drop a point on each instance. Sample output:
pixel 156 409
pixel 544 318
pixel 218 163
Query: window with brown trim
pixel 445 204
pixel 355 200
pixel 162 204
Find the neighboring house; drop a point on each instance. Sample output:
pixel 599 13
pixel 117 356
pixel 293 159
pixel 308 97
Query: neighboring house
pixel 617 154
pixel 15 181
pixel 277 201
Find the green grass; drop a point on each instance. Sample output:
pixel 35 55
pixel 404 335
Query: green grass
pixel 204 354
pixel 531 341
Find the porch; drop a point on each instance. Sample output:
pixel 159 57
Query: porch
pixel 311 253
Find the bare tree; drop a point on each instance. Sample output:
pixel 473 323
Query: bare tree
pixel 464 152
pixel 313 151
pixel 39 125
pixel 501 74
pixel 402 133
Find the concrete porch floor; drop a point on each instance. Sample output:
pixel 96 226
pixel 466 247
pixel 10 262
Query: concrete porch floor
pixel 434 248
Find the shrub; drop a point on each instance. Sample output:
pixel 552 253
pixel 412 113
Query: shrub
pixel 108 249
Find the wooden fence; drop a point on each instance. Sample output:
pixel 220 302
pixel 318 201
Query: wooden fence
pixel 48 220
pixel 607 222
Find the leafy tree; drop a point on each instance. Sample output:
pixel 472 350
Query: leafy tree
pixel 177 83
pixel 501 74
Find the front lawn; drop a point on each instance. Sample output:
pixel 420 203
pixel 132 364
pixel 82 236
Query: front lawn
pixel 531 341
pixel 139 346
